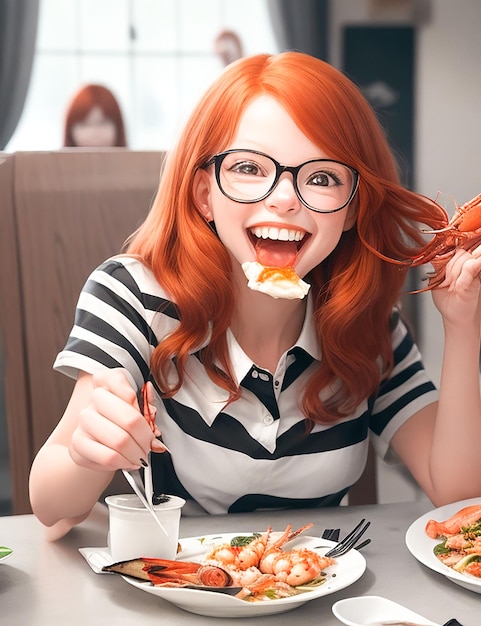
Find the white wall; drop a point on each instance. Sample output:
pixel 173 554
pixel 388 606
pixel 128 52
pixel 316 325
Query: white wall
pixel 448 126
pixel 447 133
pixel 448 109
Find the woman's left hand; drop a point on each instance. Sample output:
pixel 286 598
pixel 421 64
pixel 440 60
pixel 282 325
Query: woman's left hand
pixel 457 298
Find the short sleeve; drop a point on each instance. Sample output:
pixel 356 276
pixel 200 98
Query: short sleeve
pixel 111 327
pixel 407 390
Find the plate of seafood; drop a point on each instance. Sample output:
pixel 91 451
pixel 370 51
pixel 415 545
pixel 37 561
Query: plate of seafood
pixel 448 541
pixel 245 574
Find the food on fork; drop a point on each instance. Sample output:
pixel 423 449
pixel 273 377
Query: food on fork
pixel 460 548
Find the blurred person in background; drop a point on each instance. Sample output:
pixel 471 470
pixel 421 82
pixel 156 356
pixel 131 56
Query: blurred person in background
pixel 94 119
pixel 228 47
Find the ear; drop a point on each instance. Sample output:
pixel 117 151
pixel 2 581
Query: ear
pixel 351 216
pixel 201 192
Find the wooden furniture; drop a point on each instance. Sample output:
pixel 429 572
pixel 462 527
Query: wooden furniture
pixel 61 214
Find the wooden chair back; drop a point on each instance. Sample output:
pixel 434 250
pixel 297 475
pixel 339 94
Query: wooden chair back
pixel 61 214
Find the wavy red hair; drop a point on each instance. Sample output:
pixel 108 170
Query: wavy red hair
pixel 83 101
pixel 354 289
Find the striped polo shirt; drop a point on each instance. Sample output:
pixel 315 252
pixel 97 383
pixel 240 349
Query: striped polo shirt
pixel 255 452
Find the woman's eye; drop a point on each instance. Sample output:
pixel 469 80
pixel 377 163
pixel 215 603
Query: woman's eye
pixel 324 179
pixel 247 167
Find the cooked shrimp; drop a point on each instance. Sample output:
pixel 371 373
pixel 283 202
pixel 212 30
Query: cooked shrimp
pixel 295 567
pixel 240 557
pixel 250 555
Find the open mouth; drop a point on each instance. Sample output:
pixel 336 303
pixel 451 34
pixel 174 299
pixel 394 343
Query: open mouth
pixel 277 247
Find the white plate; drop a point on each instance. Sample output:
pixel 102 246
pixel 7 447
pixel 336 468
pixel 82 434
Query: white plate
pixel 347 570
pixel 365 610
pixel 421 546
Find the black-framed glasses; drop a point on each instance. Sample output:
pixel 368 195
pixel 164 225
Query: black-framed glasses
pixel 248 176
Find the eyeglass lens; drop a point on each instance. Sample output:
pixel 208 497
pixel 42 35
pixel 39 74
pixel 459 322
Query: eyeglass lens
pixel 247 177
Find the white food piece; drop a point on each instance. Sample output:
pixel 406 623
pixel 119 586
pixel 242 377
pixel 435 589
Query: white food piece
pixel 276 286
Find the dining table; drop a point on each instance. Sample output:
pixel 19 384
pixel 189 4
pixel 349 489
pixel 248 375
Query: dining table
pixel 44 583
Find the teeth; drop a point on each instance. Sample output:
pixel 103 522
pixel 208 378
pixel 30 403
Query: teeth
pixel 282 234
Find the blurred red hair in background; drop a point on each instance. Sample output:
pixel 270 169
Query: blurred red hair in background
pixel 84 102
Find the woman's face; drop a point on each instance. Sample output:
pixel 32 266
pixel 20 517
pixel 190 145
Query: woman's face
pixel 259 230
pixel 95 130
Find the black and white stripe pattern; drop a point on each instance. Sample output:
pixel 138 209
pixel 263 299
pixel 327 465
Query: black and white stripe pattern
pixel 252 453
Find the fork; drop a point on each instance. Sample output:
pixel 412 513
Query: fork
pixel 350 540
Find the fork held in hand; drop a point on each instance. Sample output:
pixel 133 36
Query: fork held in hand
pixel 350 540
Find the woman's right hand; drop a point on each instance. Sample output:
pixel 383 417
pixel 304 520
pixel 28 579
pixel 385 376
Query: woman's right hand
pixel 111 432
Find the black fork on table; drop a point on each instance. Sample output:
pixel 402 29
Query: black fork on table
pixel 351 540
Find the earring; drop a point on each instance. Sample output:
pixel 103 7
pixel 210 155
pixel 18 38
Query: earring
pixel 211 225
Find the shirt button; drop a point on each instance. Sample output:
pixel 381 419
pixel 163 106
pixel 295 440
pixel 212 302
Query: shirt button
pixel 276 383
pixel 267 420
pixel 255 374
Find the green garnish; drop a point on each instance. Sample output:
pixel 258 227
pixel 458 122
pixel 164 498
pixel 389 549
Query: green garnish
pixel 4 551
pixel 441 548
pixel 243 540
pixel 472 531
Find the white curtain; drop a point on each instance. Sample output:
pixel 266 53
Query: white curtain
pixel 18 32
pixel 301 25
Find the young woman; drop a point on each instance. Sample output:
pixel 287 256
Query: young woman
pixel 255 299
pixel 94 119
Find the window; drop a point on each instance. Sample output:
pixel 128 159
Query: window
pixel 156 56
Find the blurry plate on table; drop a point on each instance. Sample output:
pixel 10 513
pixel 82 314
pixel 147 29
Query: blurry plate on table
pixel 365 610
pixel 421 546
pixel 347 569
pixel 4 553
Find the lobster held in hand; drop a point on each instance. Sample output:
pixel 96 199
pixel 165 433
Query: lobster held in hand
pixel 463 230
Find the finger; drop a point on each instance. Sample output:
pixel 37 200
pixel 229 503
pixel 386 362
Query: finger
pixel 462 271
pixel 469 277
pixel 93 454
pixel 116 381
pixel 127 418
pixel 117 436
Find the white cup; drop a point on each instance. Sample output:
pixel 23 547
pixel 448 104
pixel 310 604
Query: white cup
pixel 133 532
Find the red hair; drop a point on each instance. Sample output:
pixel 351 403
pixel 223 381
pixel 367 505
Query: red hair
pixel 354 289
pixel 83 102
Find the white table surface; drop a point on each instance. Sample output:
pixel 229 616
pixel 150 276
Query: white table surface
pixel 45 584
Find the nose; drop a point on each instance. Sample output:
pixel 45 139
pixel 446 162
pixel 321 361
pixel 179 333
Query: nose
pixel 283 198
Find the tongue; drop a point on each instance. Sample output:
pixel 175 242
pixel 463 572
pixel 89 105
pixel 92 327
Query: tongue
pixel 276 253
